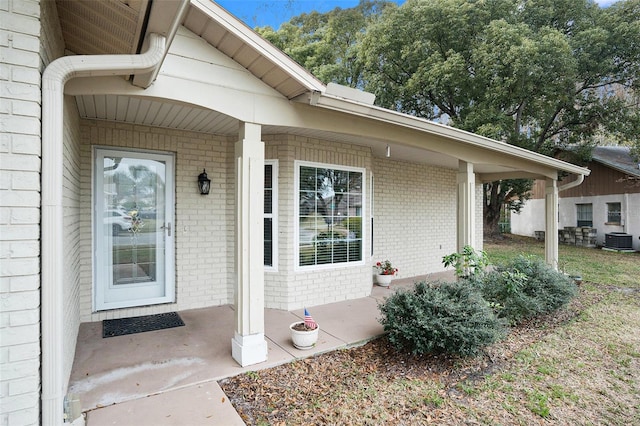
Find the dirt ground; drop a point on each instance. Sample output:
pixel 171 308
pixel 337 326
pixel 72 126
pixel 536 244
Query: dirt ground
pixel 510 383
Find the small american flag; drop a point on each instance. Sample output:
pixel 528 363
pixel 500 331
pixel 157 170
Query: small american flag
pixel 308 320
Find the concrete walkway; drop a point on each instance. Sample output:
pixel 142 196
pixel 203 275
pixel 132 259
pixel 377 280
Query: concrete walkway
pixel 169 377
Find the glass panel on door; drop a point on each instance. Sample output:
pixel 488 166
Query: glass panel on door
pixel 134 245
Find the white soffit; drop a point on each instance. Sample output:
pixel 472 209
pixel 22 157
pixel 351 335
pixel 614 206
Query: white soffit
pixel 157 113
pixel 101 27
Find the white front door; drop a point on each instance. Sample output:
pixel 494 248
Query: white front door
pixel 132 223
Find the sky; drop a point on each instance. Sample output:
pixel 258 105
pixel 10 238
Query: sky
pixel 258 13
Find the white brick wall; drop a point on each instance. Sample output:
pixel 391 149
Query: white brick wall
pixel 415 223
pixel 414 215
pixel 204 225
pixel 71 243
pixel 22 62
pixel 288 289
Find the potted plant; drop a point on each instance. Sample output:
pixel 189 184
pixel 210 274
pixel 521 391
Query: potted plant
pixel 304 334
pixel 385 273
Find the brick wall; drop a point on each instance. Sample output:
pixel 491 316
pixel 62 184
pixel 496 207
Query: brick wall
pixel 19 211
pixel 414 215
pixel 204 225
pixel 290 289
pixel 71 243
pixel 415 220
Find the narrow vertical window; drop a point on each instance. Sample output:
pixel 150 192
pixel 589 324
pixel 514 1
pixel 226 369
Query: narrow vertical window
pixel 270 212
pixel 371 207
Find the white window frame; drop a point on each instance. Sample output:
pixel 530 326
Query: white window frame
pixel 371 214
pixel 97 302
pixel 609 222
pixel 297 164
pixel 273 215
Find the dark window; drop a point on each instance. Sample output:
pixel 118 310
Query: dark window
pixel 269 223
pixel 585 214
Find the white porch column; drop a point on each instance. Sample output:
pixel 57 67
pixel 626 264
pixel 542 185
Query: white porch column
pixel 466 205
pixel 551 223
pixel 248 345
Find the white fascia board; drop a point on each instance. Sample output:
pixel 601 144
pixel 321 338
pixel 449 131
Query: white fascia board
pixel 360 119
pixel 409 121
pixel 164 19
pixel 253 39
pixel 350 93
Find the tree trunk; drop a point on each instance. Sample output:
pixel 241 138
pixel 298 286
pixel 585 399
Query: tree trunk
pixel 491 210
pixel 492 222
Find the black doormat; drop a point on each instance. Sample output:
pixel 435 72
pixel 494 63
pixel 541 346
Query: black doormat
pixel 120 327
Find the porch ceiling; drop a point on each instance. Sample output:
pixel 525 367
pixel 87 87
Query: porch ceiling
pixel 160 113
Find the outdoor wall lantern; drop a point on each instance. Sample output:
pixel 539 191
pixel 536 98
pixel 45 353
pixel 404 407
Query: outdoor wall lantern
pixel 204 183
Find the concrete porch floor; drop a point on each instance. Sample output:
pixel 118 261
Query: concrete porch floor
pixel 169 377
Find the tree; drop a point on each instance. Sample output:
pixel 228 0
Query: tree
pixel 326 43
pixel 323 190
pixel 540 74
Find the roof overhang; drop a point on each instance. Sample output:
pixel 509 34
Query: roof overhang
pixel 229 35
pixel 310 108
pixel 516 162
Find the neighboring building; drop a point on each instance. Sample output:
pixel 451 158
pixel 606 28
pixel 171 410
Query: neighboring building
pixel 608 200
pixel 100 211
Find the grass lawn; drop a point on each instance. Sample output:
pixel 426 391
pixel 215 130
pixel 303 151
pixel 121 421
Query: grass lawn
pixel 596 266
pixel 579 366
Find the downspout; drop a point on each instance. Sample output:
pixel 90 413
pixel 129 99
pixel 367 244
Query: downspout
pixel 625 209
pixel 571 184
pixel 54 79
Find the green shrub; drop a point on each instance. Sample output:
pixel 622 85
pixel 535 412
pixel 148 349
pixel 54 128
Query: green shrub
pixel 440 317
pixel 526 287
pixel 469 263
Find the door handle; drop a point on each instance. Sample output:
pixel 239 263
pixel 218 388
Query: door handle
pixel 168 228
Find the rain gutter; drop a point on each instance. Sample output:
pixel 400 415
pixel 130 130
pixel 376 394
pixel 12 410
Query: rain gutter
pixel 572 184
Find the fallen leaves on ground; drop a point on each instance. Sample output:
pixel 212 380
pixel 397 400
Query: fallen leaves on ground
pixel 376 384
